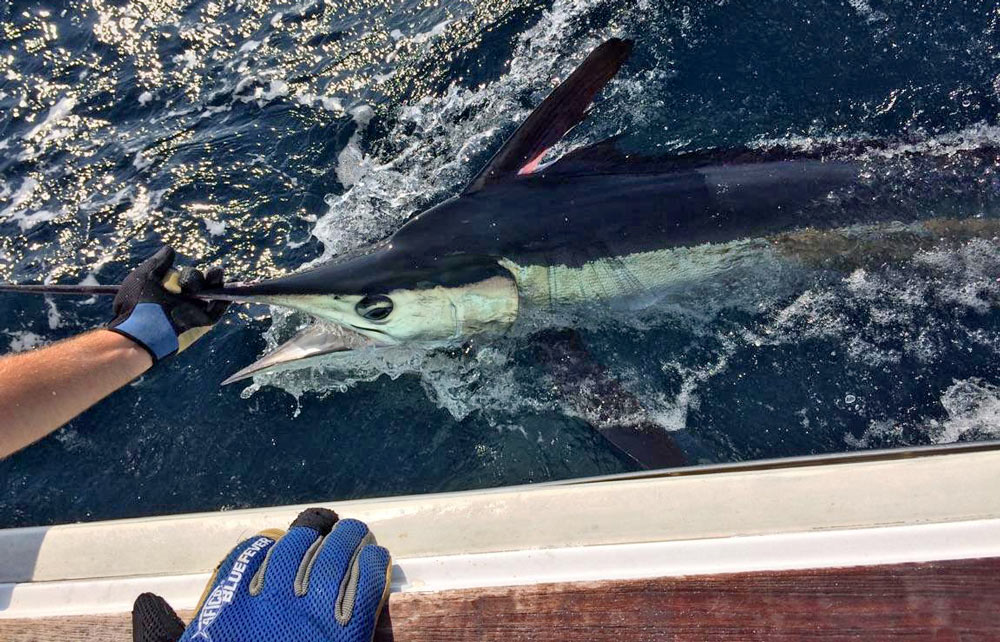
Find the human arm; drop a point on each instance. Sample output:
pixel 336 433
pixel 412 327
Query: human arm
pixel 155 317
pixel 42 389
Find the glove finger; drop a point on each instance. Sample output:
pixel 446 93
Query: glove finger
pixel 213 280
pixel 190 316
pixel 159 264
pixel 358 609
pixel 154 621
pixel 280 575
pixel 333 562
pixel 192 281
pixel 215 309
pixel 232 578
pixel 213 277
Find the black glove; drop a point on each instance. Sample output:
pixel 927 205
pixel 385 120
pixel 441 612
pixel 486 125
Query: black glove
pixel 151 307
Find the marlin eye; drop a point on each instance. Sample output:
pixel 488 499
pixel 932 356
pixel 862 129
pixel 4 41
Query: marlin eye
pixel 374 308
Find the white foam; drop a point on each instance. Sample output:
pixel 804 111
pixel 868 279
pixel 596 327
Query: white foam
pixel 332 103
pixel 141 161
pixel 145 98
pixel 24 192
pixel 144 204
pixel 672 412
pixel 971 138
pixel 433 32
pixel 54 317
pixel 23 340
pixel 362 115
pixel 215 109
pixel 351 165
pixel 215 228
pixel 57 113
pixel 243 83
pixel 189 59
pixel 972 407
pixel 864 9
pixel 276 89
pixel 28 221
pixel 95 203
pixel 351 162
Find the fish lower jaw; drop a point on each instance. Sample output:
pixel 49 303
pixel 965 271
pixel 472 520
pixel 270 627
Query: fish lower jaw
pixel 378 337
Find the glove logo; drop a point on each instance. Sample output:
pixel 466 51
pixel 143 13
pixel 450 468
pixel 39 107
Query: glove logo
pixel 226 589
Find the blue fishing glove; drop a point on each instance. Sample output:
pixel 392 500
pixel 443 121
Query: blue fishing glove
pixel 322 581
pixel 152 308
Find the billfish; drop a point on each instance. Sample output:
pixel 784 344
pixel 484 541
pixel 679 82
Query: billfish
pixel 597 224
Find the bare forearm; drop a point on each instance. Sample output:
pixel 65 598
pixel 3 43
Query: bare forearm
pixel 43 389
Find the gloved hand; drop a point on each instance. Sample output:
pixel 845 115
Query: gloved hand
pixel 323 581
pixel 151 308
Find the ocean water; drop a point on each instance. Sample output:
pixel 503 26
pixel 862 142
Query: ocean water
pixel 264 136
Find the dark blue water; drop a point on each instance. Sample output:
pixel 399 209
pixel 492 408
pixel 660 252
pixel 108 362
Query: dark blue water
pixel 263 135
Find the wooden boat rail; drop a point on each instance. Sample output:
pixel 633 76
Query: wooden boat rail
pixel 875 546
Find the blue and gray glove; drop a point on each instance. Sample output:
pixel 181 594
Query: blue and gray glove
pixel 322 581
pixel 154 306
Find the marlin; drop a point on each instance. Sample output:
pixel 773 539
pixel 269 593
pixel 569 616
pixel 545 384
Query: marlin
pixel 596 224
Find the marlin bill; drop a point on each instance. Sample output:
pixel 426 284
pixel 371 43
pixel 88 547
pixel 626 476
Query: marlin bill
pixel 599 224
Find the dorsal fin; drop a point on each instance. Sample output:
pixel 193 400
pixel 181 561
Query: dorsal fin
pixel 563 109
